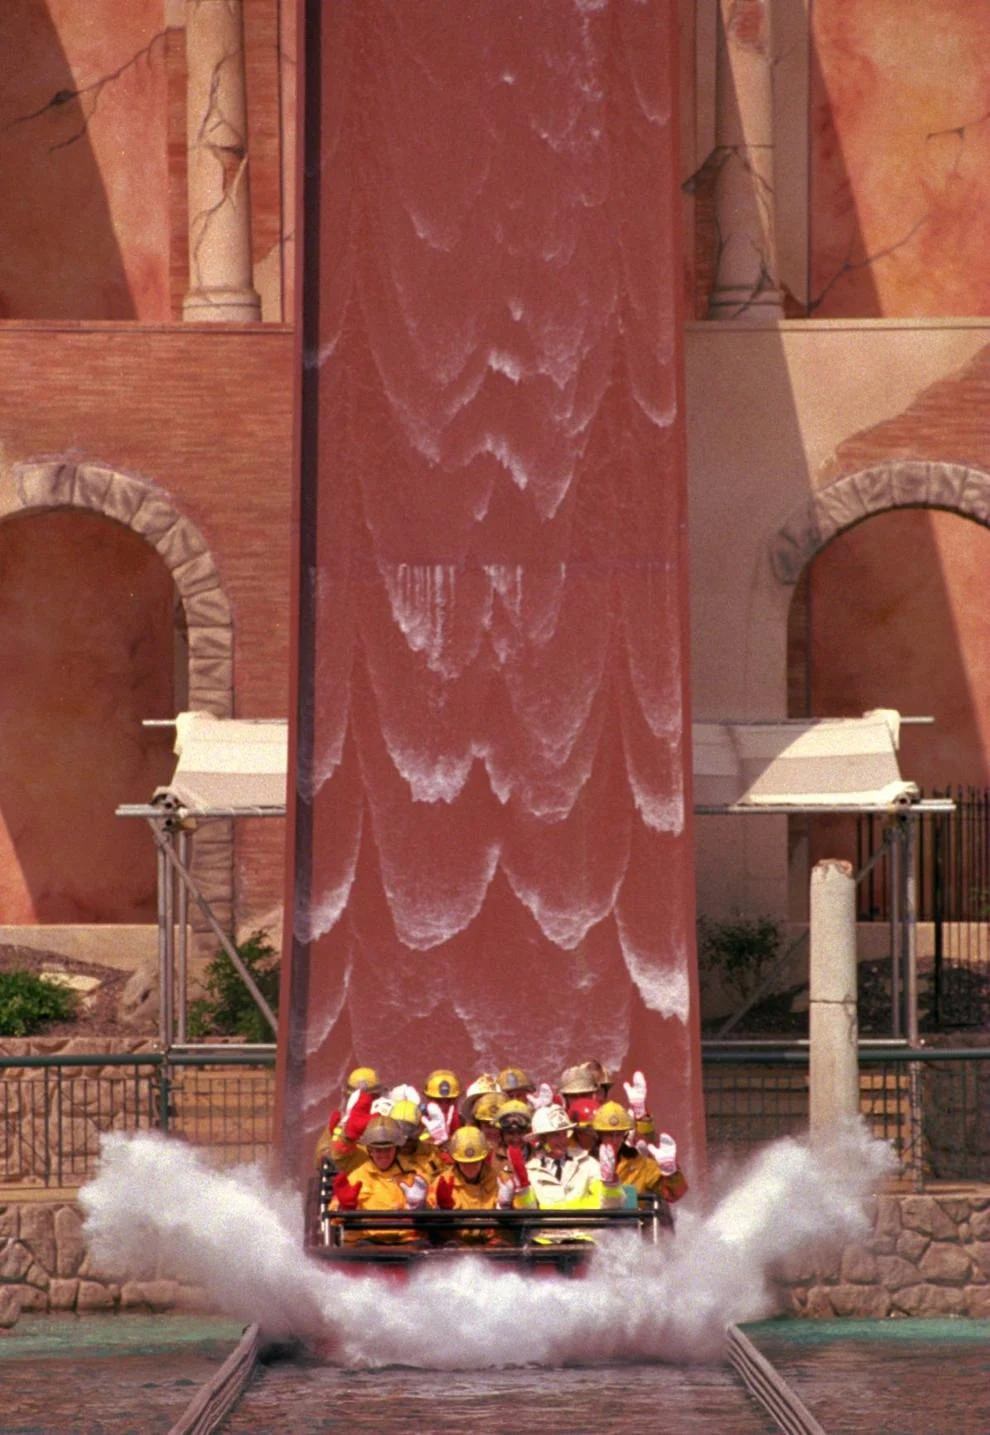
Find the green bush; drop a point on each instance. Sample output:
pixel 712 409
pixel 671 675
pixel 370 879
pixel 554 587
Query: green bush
pixel 27 1003
pixel 739 951
pixel 228 1008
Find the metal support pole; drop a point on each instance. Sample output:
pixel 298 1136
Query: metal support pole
pixel 896 888
pixel 168 971
pixel 182 920
pixel 165 848
pixel 911 995
pixel 910 932
pixel 163 880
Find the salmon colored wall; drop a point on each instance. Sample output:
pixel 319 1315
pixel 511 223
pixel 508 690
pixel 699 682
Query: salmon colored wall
pixel 900 157
pixel 893 622
pixel 86 642
pixel 83 172
pixel 206 413
pixel 92 157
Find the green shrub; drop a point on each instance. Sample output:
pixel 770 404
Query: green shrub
pixel 228 1008
pixel 28 1003
pixel 739 951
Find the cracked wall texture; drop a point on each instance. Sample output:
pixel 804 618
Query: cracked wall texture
pixel 83 160
pixel 93 164
pixel 900 158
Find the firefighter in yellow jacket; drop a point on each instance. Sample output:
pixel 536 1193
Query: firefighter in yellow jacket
pixel 651 1169
pixel 379 1183
pixel 340 1136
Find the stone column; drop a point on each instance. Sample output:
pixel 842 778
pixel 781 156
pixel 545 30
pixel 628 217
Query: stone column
pixel 220 278
pixel 746 268
pixel 834 1028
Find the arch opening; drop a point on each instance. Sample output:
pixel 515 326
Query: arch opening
pixel 87 648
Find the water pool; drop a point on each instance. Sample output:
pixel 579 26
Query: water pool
pixel 892 1377
pixel 67 1375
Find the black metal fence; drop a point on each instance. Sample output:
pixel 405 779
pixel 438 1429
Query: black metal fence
pixel 931 1105
pixel 54 1110
pixel 952 893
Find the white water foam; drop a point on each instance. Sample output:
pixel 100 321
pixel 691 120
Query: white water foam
pixel 155 1204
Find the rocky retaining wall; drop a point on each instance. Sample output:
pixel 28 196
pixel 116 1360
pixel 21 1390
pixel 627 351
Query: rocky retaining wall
pixel 44 1266
pixel 927 1255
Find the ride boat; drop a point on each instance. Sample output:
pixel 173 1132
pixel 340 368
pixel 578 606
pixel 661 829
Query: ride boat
pixel 557 1241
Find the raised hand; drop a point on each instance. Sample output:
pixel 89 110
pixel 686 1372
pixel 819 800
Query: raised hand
pixel 542 1096
pixel 520 1176
pixel 435 1123
pixel 636 1095
pixel 606 1164
pixel 506 1191
pixel 345 1194
pixel 664 1153
pixel 357 1114
pixel 415 1192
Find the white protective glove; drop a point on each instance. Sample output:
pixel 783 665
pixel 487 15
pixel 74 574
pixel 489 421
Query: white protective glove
pixel 542 1096
pixel 636 1095
pixel 664 1153
pixel 506 1191
pixel 606 1164
pixel 351 1101
pixel 381 1106
pixel 435 1123
pixel 405 1092
pixel 416 1192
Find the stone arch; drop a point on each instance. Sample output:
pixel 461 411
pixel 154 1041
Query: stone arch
pixel 149 511
pixel 896 483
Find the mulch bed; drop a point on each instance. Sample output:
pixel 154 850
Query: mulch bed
pixel 97 1013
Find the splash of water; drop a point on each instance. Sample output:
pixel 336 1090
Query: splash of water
pixel 155 1205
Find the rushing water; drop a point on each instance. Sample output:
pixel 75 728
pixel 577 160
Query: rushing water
pixel 493 853
pixel 694 1400
pixel 241 1239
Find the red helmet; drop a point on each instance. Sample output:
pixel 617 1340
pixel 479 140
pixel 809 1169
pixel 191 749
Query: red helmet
pixel 582 1110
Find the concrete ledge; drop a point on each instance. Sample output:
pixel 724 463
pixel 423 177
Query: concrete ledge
pixel 108 944
pixel 768 1387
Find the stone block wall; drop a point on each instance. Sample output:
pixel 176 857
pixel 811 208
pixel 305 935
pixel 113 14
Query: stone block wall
pixel 926 1255
pixel 44 1266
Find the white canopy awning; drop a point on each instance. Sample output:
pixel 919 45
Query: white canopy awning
pixel 229 765
pixel 238 766
pixel 810 764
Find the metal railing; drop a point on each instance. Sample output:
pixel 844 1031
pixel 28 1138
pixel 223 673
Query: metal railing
pixel 952 870
pixel 54 1110
pixel 931 1105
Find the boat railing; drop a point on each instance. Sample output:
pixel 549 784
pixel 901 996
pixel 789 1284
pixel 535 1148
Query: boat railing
pixel 436 1227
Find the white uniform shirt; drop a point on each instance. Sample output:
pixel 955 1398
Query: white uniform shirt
pixel 560 1183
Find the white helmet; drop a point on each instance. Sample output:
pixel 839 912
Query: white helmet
pixel 551 1118
pixel 405 1092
